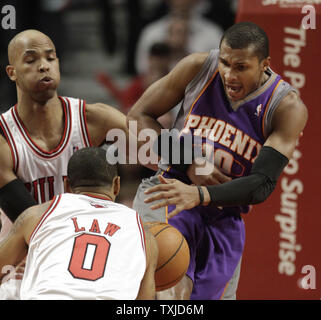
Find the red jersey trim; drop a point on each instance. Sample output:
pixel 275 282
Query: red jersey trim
pixel 142 232
pixel 98 197
pixel 53 205
pixel 65 137
pixel 83 124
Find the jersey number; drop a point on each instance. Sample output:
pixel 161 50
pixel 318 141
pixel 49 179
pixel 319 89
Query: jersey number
pixel 89 257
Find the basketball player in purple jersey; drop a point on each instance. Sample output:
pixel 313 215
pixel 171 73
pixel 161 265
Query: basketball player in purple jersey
pixel 253 120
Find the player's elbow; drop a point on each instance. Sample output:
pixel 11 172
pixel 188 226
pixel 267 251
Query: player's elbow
pixel 132 115
pixel 262 193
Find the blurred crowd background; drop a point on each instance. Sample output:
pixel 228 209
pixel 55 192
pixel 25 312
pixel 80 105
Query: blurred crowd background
pixel 110 51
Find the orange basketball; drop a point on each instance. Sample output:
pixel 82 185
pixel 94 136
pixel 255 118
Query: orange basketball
pixel 173 255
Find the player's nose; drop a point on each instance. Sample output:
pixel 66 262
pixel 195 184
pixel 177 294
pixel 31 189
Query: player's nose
pixel 44 66
pixel 230 76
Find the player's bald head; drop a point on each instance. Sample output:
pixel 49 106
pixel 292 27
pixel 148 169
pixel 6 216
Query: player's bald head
pixel 24 39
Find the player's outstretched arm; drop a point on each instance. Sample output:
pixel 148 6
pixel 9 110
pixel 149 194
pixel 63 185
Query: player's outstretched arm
pixel 147 289
pixel 104 122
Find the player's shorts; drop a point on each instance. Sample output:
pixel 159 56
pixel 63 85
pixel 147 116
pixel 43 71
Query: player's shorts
pixel 216 241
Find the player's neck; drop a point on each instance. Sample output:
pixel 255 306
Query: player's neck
pixel 94 192
pixel 40 116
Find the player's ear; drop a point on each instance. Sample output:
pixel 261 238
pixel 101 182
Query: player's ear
pixel 266 63
pixel 116 185
pixel 11 72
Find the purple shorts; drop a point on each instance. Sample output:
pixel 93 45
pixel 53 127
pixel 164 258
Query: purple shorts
pixel 216 241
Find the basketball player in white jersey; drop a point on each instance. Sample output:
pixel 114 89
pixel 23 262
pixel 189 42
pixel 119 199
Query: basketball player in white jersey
pixel 83 245
pixel 40 133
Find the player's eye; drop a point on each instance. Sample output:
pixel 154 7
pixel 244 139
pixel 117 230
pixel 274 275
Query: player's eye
pixel 241 67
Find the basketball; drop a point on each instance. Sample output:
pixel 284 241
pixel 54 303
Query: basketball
pixel 173 255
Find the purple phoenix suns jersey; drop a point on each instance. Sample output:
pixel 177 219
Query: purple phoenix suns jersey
pixel 231 135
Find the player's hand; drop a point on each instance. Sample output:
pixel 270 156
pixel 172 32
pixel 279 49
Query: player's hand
pixel 174 192
pixel 215 177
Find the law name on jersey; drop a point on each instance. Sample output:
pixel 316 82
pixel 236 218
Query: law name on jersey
pixel 94 227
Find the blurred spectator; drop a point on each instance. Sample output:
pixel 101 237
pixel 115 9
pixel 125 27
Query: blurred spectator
pixel 222 12
pixel 158 64
pixel 203 34
pixel 177 38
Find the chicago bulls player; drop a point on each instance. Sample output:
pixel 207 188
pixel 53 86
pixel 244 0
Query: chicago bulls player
pixel 42 131
pixel 83 245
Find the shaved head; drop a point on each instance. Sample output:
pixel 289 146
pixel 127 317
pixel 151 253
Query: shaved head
pixel 22 38
pixel 33 65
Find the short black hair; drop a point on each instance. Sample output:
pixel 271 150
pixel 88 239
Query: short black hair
pixel 89 167
pixel 245 34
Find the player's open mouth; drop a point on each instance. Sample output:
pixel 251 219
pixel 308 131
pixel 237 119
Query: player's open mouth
pixel 46 79
pixel 233 91
pixel 45 83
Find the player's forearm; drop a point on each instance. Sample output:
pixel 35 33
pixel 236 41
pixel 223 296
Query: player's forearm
pixel 254 188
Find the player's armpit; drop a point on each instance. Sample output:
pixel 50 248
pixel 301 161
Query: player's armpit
pixel 147 289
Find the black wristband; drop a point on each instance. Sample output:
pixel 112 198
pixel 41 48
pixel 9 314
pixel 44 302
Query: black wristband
pixel 201 193
pixel 15 198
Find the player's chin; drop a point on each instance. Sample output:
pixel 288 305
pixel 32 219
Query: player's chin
pixel 236 96
pixel 44 95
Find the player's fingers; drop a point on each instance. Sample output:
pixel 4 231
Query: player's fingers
pixel 173 213
pixel 159 205
pixel 157 188
pixel 158 196
pixel 162 179
pixel 165 203
pixel 165 180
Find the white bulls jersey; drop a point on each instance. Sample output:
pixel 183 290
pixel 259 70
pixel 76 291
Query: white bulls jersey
pixel 85 247
pixel 44 172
